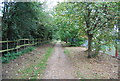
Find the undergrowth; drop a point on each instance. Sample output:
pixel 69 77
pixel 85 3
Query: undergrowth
pixel 10 56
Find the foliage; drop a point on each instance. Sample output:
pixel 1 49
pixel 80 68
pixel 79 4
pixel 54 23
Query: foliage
pixel 91 19
pixel 66 28
pixel 11 56
pixel 25 20
pixel 95 21
pixel 76 41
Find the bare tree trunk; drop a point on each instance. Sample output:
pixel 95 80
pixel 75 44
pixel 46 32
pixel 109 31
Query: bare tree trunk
pixel 89 46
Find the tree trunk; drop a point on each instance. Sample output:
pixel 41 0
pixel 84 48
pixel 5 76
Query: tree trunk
pixel 116 50
pixel 89 46
pixel 66 40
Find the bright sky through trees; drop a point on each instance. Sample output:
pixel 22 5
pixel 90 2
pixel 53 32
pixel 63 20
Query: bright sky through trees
pixel 51 3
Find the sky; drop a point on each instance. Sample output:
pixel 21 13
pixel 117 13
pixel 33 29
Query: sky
pixel 51 3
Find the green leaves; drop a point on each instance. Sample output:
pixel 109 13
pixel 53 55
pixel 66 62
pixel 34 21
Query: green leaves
pixel 25 20
pixel 11 56
pixel 93 19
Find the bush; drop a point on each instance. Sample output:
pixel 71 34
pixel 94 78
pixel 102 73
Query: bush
pixel 79 42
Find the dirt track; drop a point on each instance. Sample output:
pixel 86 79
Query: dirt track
pixel 73 65
pixel 59 66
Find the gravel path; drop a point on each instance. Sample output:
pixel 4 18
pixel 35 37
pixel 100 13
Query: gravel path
pixel 59 66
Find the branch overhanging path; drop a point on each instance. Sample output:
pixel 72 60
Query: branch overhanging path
pixel 59 66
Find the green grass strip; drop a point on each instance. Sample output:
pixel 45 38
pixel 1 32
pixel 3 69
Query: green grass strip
pixel 41 66
pixel 66 51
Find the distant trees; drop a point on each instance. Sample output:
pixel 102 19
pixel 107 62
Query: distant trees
pixel 96 20
pixel 25 20
pixel 67 29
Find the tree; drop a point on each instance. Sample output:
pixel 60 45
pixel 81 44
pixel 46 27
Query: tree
pixel 92 18
pixel 66 27
pixel 25 20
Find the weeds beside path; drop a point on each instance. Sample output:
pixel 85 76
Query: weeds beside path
pixel 28 66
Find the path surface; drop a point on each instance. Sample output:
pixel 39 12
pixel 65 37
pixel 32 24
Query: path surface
pixel 59 66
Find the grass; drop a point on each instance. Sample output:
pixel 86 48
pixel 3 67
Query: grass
pixel 10 56
pixel 80 75
pixel 66 51
pixel 34 70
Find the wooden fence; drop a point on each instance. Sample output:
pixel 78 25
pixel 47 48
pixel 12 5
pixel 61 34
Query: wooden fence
pixel 16 44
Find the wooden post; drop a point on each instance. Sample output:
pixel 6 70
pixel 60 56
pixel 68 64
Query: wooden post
pixel 28 42
pixel 17 45
pixel 7 45
pixel 36 42
pixel 33 42
pixel 14 45
pixel 24 43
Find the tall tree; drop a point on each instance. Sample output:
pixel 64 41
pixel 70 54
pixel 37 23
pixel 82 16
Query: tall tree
pixel 92 18
pixel 25 20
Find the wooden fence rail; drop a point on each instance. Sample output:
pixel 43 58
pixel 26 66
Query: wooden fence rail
pixel 30 42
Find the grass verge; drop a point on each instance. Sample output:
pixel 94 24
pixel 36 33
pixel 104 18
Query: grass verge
pixel 35 70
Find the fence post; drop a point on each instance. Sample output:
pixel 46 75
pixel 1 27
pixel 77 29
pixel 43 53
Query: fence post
pixel 14 45
pixel 7 46
pixel 28 42
pixel 17 45
pixel 24 43
pixel 36 42
pixel 41 42
pixel 33 42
